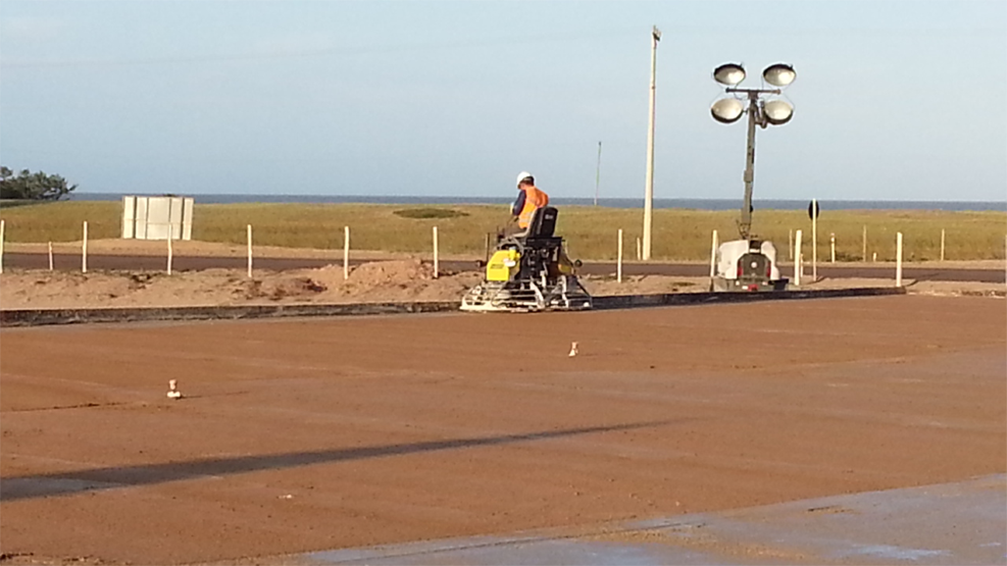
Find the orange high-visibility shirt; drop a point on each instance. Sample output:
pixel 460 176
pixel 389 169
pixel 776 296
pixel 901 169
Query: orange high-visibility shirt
pixel 534 199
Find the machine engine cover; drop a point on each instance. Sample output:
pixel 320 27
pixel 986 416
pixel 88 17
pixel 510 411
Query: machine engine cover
pixel 504 265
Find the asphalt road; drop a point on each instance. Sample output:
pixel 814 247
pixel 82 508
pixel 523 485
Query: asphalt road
pixel 153 263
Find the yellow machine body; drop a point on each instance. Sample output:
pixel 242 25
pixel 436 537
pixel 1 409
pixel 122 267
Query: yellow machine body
pixel 503 265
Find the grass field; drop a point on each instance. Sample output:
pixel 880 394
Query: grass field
pixel 679 234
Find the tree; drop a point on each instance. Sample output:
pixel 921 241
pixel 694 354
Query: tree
pixel 33 186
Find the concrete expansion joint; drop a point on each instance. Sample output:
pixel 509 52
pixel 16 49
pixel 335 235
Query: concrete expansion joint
pixel 42 317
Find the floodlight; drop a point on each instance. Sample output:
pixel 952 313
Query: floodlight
pixel 778 112
pixel 779 75
pixel 727 110
pixel 729 74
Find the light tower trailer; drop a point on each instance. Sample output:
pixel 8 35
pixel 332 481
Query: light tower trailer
pixel 749 264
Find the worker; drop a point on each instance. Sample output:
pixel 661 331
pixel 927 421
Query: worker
pixel 529 199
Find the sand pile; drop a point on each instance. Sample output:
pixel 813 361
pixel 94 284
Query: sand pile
pixel 401 280
pixel 643 284
pixel 381 281
pixel 380 273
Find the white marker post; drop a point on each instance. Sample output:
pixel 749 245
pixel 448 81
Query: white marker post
pixel 713 255
pixel 942 244
pixel 346 252
pixel 797 259
pixel 618 264
pixel 865 243
pixel 790 243
pixel 435 254
pixel 639 253
pixel 2 227
pixel 898 259
pixel 832 243
pixel 169 253
pixel 249 239
pixel 50 256
pixel 83 251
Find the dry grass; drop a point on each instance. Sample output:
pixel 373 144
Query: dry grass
pixel 590 232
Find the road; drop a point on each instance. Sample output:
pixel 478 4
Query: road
pixel 153 263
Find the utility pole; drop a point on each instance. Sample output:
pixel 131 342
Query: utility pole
pixel 597 176
pixel 648 201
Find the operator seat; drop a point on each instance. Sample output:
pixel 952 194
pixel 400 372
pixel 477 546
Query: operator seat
pixel 540 248
pixel 542 225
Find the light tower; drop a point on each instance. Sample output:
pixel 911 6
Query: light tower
pixel 762 113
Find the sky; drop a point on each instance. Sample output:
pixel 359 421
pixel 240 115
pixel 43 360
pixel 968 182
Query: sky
pixel 902 100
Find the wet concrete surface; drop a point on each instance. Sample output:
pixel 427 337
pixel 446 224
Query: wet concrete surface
pixel 954 523
pixel 297 436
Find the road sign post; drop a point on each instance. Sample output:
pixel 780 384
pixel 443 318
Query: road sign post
pixel 813 212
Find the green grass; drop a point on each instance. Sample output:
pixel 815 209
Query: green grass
pixel 679 234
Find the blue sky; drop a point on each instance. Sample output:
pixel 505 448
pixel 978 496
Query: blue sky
pixel 894 100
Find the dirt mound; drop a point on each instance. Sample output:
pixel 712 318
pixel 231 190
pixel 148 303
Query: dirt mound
pixel 384 281
pixel 402 272
pixel 643 284
pixel 279 289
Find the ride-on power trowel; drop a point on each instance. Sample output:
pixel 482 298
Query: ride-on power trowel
pixel 529 271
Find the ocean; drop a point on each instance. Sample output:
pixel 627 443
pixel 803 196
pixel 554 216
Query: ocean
pixel 686 203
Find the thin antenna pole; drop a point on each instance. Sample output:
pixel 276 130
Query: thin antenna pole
pixel 597 176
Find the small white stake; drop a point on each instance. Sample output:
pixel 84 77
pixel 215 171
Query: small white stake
pixel 436 255
pixel 898 259
pixel 346 252
pixel 50 256
pixel 249 238
pixel 83 251
pixel 865 242
pixel 798 263
pixel 713 255
pixel 618 268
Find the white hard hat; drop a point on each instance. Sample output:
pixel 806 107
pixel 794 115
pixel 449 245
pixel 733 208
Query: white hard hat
pixel 523 175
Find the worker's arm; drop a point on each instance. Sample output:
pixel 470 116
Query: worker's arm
pixel 518 204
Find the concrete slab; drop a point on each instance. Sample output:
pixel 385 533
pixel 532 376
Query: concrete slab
pixel 956 523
